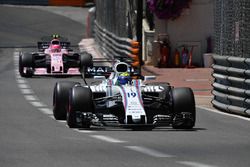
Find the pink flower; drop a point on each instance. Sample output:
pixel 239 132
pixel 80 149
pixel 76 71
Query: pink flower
pixel 167 9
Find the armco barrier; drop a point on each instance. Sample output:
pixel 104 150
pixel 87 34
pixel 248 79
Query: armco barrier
pixel 116 47
pixel 231 87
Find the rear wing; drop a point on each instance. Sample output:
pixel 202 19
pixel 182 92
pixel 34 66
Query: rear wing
pixel 49 38
pixel 98 71
pixel 104 67
pixel 101 67
pixel 45 45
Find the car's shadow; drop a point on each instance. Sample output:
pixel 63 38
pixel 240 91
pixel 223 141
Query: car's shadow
pixel 157 129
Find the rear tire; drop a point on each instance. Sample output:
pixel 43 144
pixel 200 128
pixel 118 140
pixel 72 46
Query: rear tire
pixel 183 103
pixel 61 98
pixel 80 101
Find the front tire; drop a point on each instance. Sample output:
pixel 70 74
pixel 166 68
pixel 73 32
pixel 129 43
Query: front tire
pixel 183 108
pixel 61 98
pixel 26 60
pixel 86 60
pixel 80 102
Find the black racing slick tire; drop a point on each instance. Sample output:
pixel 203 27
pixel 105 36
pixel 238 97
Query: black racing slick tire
pixel 86 60
pixel 61 98
pixel 26 60
pixel 183 108
pixel 80 102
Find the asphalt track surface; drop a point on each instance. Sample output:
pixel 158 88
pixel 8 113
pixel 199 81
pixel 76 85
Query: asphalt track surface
pixel 30 137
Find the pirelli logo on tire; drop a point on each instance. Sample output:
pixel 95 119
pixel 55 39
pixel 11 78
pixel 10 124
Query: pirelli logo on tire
pixel 67 2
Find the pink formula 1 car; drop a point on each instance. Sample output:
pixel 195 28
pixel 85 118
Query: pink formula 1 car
pixel 53 58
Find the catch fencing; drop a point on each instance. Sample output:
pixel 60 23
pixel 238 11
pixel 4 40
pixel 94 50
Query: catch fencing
pixel 111 15
pixel 231 68
pixel 232 27
pixel 115 47
pixel 113 29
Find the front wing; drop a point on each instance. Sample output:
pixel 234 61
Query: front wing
pixel 44 72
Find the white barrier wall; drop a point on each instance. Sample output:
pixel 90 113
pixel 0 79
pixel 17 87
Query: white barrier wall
pixel 192 28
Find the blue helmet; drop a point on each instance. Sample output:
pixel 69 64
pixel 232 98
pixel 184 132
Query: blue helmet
pixel 124 78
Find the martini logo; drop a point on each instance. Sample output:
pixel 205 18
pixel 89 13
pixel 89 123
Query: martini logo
pixel 98 69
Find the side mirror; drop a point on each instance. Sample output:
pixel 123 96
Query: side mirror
pixel 149 77
pixel 100 77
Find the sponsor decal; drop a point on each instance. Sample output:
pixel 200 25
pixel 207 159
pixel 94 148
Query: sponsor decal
pixel 132 101
pixel 153 89
pixel 101 69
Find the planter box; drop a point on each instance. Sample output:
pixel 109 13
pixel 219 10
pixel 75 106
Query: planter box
pixel 67 2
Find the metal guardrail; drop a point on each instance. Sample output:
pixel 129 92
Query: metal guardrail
pixel 231 87
pixel 115 47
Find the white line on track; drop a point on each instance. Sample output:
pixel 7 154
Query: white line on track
pixel 37 104
pixel 223 113
pixel 27 91
pixel 30 97
pixel 194 164
pixel 16 55
pixel 18 77
pixel 23 86
pixel 16 59
pixel 46 111
pixel 150 152
pixel 21 81
pixel 107 139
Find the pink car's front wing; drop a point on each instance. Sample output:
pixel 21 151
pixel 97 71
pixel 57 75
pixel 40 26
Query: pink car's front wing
pixel 43 71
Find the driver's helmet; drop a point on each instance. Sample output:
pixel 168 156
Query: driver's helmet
pixel 124 78
pixel 55 42
pixel 55 48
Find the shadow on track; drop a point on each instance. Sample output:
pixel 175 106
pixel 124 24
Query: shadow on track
pixel 158 129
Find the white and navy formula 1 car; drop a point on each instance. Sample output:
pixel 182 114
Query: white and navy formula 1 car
pixel 54 57
pixel 122 100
